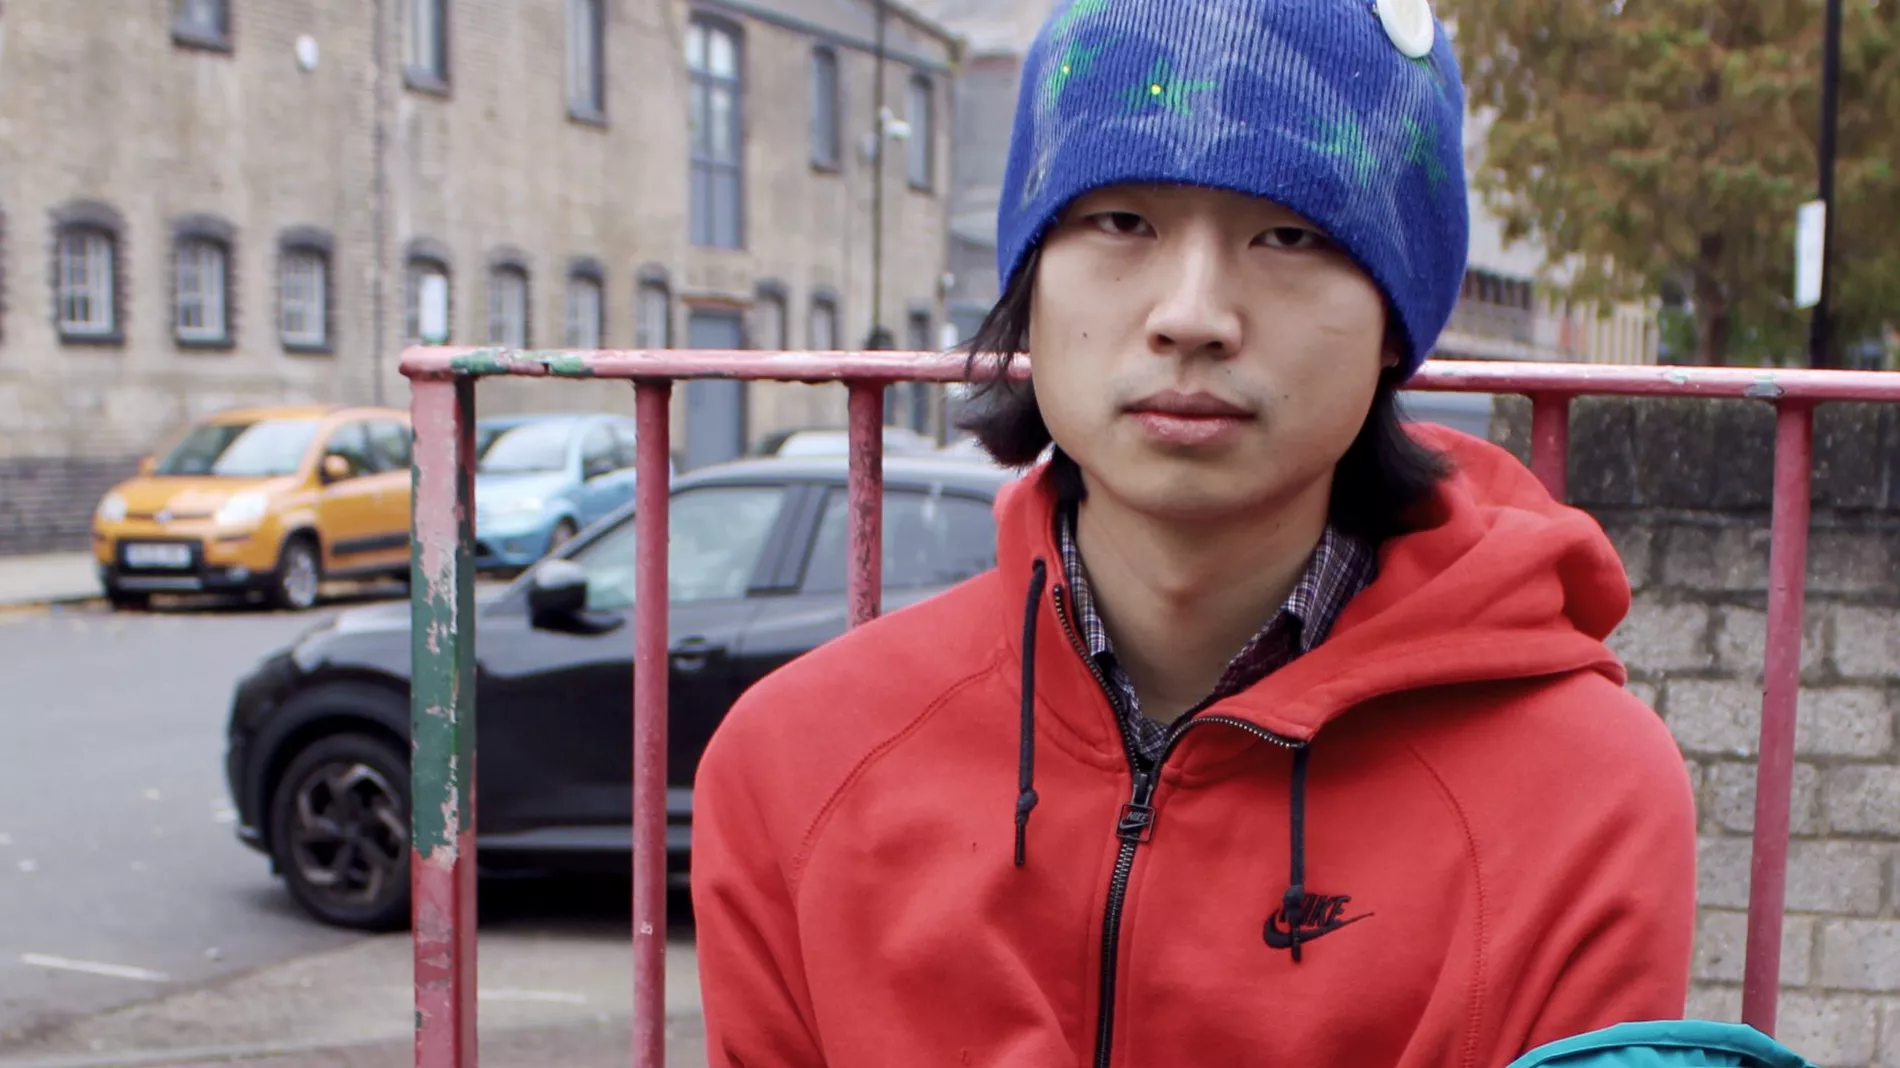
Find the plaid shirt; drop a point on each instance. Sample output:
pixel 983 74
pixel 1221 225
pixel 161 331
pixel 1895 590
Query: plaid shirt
pixel 1340 567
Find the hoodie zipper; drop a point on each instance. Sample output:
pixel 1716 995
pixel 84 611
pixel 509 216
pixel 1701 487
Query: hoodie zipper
pixel 1135 823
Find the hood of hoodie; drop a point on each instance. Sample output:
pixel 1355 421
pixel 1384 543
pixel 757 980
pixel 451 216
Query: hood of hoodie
pixel 1497 581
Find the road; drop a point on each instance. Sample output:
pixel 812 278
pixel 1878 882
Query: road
pixel 116 844
pixel 136 930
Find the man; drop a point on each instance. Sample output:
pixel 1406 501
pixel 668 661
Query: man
pixel 1280 734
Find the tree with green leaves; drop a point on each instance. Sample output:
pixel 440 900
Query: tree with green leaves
pixel 1659 146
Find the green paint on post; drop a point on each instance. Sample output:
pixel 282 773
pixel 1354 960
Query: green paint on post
pixel 567 365
pixel 482 362
pixel 442 621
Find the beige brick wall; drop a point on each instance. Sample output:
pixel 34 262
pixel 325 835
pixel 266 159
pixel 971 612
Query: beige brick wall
pixel 103 105
pixel 1693 533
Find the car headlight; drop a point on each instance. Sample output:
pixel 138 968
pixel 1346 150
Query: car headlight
pixel 243 509
pixel 111 508
pixel 512 507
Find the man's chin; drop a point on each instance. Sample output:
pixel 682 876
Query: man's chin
pixel 1195 493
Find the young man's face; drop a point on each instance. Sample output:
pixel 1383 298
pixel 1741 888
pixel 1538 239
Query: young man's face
pixel 1202 354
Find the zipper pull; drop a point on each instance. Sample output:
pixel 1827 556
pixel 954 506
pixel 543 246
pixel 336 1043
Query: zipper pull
pixel 1137 823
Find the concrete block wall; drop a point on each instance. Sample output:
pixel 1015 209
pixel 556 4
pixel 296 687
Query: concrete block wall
pixel 1683 489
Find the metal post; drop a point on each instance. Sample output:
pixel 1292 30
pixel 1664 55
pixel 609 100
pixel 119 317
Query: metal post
pixel 864 582
pixel 1550 441
pixel 442 720
pixel 1820 324
pixel 650 667
pixel 1781 677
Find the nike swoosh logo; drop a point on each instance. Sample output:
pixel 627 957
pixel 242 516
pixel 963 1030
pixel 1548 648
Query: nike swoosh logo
pixel 1280 938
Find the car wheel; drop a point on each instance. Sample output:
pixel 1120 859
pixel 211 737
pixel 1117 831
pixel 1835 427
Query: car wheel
pixel 564 532
pixel 340 832
pixel 299 574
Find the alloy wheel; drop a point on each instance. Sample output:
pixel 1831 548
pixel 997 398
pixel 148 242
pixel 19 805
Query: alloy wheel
pixel 349 834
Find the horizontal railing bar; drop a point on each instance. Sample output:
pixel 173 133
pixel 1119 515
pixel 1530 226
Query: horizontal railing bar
pixel 1476 376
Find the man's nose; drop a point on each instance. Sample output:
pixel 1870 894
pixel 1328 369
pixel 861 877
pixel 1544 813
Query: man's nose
pixel 1195 312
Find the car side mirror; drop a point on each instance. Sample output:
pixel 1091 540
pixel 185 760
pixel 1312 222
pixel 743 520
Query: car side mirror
pixel 147 465
pixel 557 600
pixel 335 469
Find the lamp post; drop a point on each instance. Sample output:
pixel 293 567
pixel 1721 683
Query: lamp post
pixel 1820 326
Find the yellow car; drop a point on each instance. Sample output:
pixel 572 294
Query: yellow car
pixel 262 500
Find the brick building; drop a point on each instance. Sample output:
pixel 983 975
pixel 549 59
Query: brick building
pixel 212 202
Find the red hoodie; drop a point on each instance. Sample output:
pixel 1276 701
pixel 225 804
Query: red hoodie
pixel 1443 837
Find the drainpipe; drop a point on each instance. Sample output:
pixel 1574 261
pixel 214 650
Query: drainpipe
pixel 379 206
pixel 877 188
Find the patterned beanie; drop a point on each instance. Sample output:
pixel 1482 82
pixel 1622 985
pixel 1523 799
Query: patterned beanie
pixel 1349 112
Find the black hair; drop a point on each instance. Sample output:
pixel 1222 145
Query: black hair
pixel 1384 475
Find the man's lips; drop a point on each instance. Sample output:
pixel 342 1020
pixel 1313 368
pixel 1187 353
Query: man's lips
pixel 1182 405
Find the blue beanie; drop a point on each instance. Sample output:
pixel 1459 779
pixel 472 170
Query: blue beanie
pixel 1349 112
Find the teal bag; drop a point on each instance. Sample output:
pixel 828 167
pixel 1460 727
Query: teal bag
pixel 1666 1044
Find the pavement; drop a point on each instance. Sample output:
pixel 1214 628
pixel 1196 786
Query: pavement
pixel 544 998
pixel 52 578
pixel 138 932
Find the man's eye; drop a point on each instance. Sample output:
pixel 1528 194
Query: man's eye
pixel 1295 237
pixel 1125 223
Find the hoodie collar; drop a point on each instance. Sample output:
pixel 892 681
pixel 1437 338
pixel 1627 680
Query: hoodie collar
pixel 1498 582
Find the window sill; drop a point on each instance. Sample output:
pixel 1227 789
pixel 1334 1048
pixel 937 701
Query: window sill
pixel 320 348
pixel 198 41
pixel 924 190
pixel 205 344
pixel 585 116
pixel 112 340
pixel 821 167
pixel 424 81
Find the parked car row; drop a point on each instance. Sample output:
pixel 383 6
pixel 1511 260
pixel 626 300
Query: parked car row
pixel 276 501
pixel 319 733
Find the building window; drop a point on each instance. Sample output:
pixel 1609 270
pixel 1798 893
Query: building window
pixel 201 273
pixel 508 307
pixel 86 285
pixel 712 54
pixel 821 333
pixel 586 84
pixel 923 133
pixel 653 316
pixel 426 43
pixel 303 299
pixel 426 307
pixel 826 132
pixel 768 322
pixel 585 318
pixel 201 22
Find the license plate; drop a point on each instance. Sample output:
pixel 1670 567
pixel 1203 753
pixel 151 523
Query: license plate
pixel 173 556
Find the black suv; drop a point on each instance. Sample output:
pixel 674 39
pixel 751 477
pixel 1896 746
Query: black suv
pixel 317 762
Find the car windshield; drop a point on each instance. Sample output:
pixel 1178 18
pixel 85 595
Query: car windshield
pixel 264 449
pixel 524 448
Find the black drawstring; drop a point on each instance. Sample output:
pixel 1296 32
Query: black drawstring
pixel 1026 760
pixel 1294 902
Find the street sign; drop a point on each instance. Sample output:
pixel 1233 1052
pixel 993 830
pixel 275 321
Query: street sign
pixel 1810 242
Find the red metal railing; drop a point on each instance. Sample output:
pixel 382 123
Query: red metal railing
pixel 443 702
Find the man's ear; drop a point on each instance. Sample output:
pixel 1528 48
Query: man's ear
pixel 1392 354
